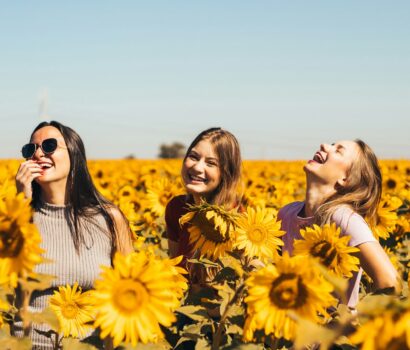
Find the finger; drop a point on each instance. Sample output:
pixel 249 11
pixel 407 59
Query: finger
pixel 25 167
pixel 28 169
pixel 25 178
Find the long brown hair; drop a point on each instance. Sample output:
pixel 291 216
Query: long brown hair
pixel 362 191
pixel 227 149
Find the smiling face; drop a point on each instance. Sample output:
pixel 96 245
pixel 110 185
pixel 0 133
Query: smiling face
pixel 331 164
pixel 55 166
pixel 200 171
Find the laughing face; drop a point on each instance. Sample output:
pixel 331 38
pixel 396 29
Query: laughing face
pixel 200 171
pixel 331 164
pixel 55 166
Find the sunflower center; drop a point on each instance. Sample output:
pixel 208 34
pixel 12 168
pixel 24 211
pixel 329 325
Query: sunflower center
pixel 257 235
pixel 129 296
pixel 208 229
pixel 69 310
pixel 11 241
pixel 288 291
pixel 391 184
pixel 325 252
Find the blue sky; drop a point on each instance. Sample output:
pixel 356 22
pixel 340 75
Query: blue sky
pixel 283 76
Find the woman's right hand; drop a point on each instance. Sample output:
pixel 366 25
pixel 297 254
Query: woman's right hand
pixel 28 171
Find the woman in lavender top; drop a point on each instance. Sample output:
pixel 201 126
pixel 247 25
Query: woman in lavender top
pixel 343 185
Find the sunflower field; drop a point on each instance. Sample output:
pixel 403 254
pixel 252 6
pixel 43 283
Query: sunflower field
pixel 246 294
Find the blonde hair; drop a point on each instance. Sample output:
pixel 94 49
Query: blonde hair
pixel 362 191
pixel 227 149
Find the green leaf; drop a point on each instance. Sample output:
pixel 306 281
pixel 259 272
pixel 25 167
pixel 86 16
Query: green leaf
pixel 245 347
pixel 226 274
pixel 234 329
pixel 205 262
pixel 183 340
pixel 193 331
pixel 310 333
pixel 46 316
pixel 233 263
pixel 5 331
pixel 235 312
pixel 41 282
pixel 15 344
pixel 196 313
pixel 202 344
pixel 226 293
pixel 161 345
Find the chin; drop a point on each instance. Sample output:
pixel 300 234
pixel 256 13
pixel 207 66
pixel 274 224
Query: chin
pixel 193 189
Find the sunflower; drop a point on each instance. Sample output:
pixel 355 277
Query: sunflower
pixel 181 283
pixel 326 245
pixel 134 297
pixel 293 285
pixel 159 193
pixel 258 233
pixel 6 188
pixel 212 229
pixel 73 309
pixel 403 226
pixel 384 324
pixel 387 217
pixel 19 239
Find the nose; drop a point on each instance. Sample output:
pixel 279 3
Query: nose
pixel 198 166
pixel 38 153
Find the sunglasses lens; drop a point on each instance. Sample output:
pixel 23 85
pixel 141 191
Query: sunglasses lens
pixel 49 145
pixel 28 150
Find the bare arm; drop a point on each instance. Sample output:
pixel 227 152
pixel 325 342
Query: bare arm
pixel 373 259
pixel 376 263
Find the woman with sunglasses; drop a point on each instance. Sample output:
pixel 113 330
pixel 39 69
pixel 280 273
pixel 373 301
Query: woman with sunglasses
pixel 80 229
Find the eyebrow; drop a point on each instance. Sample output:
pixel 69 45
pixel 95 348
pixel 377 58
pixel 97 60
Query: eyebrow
pixel 339 146
pixel 207 158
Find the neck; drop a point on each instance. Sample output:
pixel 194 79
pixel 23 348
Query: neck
pixel 316 194
pixel 54 193
pixel 198 198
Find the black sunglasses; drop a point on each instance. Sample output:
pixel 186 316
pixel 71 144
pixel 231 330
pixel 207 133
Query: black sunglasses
pixel 48 146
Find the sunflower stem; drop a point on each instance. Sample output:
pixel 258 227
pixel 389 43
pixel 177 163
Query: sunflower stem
pixel 218 335
pixel 24 313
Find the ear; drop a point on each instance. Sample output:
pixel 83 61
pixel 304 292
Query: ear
pixel 340 184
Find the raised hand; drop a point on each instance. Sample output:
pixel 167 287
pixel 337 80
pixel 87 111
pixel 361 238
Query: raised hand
pixel 27 172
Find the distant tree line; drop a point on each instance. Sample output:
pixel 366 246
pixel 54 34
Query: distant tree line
pixel 174 150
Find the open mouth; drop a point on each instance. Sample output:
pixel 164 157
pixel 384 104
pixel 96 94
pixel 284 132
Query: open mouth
pixel 45 166
pixel 195 178
pixel 319 158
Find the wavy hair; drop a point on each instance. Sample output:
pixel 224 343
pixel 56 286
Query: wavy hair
pixel 362 191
